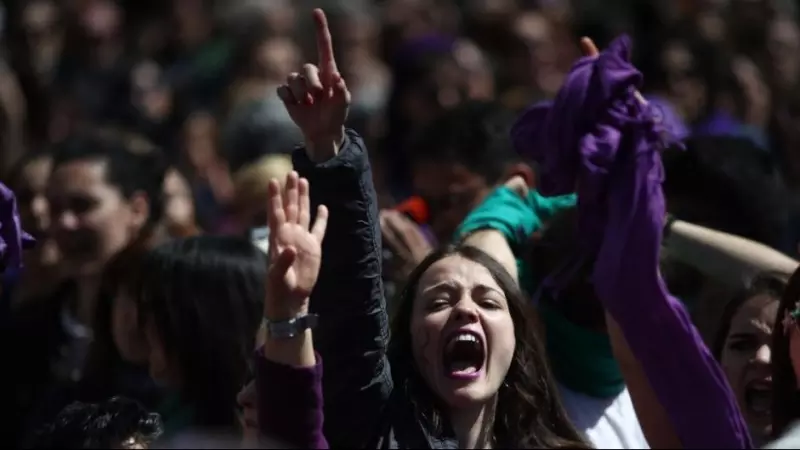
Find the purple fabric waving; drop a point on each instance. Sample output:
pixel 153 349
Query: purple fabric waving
pixel 12 239
pixel 597 137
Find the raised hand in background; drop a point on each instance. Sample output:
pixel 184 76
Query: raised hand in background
pixel 295 248
pixel 407 243
pixel 317 98
pixel 589 49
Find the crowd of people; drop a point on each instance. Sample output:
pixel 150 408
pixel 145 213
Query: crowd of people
pixel 489 230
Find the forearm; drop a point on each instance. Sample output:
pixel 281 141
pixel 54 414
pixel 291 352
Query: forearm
pixel 728 258
pixel 290 400
pixel 495 245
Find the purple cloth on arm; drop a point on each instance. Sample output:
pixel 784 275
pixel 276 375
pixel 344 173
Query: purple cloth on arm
pixel 598 137
pixel 290 402
pixel 12 239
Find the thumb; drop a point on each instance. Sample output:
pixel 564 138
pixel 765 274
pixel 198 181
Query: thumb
pixel 281 264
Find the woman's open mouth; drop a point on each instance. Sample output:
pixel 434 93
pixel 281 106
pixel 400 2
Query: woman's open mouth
pixel 464 355
pixel 758 398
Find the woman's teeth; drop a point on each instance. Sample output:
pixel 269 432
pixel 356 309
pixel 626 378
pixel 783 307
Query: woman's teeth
pixel 462 337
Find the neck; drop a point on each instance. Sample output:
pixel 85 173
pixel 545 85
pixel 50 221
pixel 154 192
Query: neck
pixel 473 425
pixel 88 288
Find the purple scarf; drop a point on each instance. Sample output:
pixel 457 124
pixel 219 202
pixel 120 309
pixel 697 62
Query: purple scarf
pixel 12 239
pixel 596 137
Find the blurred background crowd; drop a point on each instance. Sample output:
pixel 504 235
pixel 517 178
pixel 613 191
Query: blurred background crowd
pixel 197 78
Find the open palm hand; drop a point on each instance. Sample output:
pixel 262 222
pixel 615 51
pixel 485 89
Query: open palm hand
pixel 295 247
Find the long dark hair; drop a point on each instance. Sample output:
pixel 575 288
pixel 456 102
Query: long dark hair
pixel 785 405
pixel 529 413
pixel 101 378
pixel 768 283
pixel 204 296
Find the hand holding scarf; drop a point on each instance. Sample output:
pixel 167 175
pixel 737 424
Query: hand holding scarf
pixel 599 136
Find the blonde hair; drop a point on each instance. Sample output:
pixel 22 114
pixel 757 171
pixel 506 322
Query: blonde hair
pixel 251 181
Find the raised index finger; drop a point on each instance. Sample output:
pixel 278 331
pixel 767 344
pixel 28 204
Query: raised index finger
pixel 327 63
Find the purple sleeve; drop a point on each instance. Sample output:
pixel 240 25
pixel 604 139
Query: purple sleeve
pixel 597 137
pixel 290 402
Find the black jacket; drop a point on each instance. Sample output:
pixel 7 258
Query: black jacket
pixel 362 409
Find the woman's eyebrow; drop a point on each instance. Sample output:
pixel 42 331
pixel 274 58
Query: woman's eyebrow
pixel 483 288
pixel 446 285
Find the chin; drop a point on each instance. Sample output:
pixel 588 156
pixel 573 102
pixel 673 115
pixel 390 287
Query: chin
pixel 472 394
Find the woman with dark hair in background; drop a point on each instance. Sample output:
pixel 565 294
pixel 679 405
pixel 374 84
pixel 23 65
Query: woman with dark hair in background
pixel 786 359
pixel 198 307
pixel 117 360
pixel 28 179
pixel 101 198
pixel 742 347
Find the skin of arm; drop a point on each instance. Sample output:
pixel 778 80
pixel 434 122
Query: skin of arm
pixel 495 245
pixel 724 257
pixel 653 419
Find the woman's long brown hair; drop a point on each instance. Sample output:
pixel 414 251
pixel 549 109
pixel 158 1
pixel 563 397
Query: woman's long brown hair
pixel 785 405
pixel 529 412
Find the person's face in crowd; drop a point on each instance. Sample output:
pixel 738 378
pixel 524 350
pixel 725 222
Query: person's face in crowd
pixel 746 360
pixel 179 206
pixel 280 18
pixel 30 192
pixel 539 64
pixel 784 51
pixel 687 92
pixel 193 21
pixel 34 211
pixel 128 338
pixel 756 92
pixel 462 332
pixel 39 19
pixel 152 100
pixel 447 85
pixel 475 66
pixel 91 220
pixel 199 140
pixel 276 57
pixel 101 19
pixel 711 25
pixel 451 191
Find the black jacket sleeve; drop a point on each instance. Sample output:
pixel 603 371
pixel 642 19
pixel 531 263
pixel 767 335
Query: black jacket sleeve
pixel 353 329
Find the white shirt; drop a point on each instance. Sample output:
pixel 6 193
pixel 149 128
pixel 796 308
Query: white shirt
pixel 606 423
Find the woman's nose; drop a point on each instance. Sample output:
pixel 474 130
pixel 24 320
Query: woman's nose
pixel 764 354
pixel 466 311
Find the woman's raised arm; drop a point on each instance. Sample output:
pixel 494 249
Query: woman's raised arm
pixel 288 373
pixel 353 325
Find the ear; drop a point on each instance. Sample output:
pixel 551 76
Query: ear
pixel 140 209
pixel 523 170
